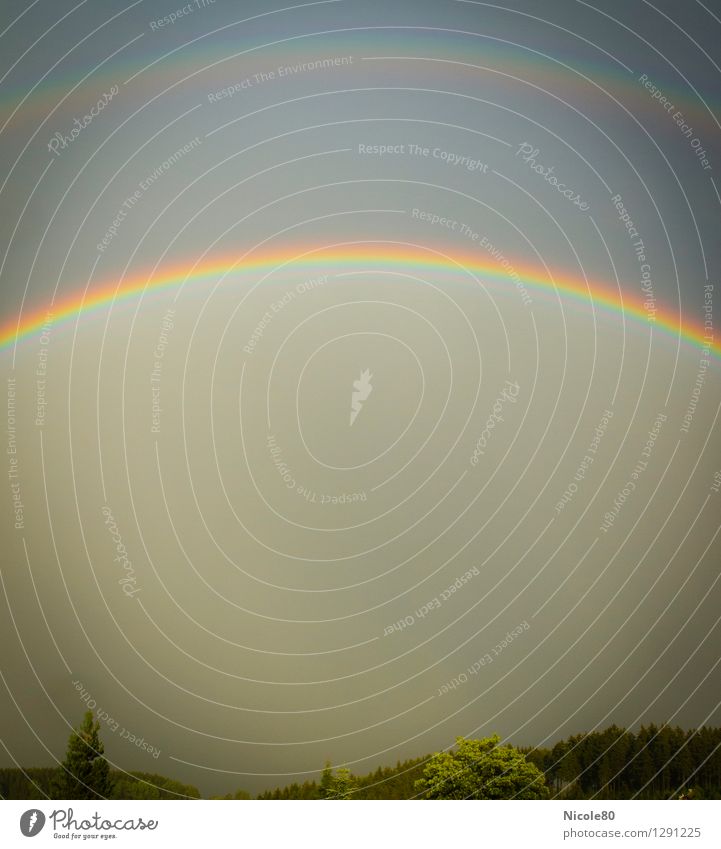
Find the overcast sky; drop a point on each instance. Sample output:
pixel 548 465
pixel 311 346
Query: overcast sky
pixel 418 438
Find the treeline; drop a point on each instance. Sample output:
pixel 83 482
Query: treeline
pixel 42 783
pixel 655 762
pixel 385 783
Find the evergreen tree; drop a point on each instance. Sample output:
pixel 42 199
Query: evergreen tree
pixel 85 773
pixel 565 757
pixel 146 785
pixel 640 770
pixel 326 781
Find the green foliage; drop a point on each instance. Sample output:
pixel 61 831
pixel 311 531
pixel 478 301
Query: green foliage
pixel 43 783
pixel 481 769
pixel 339 786
pixel 656 762
pixel 239 794
pixel 326 781
pixel 306 790
pixel 28 783
pixel 392 782
pixel 146 785
pixel 85 773
pixel 384 783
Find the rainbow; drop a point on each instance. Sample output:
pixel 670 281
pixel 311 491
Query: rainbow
pixel 352 257
pixel 456 50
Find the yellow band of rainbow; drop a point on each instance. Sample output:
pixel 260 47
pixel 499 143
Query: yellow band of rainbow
pixel 348 257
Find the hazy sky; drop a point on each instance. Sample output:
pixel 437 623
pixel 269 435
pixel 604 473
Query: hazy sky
pixel 373 405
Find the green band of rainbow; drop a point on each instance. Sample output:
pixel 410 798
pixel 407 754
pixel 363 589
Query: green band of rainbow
pixel 353 257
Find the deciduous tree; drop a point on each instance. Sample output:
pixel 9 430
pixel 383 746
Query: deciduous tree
pixel 481 769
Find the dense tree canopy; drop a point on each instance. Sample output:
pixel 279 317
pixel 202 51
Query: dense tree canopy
pixel 654 762
pixel 145 785
pixel 481 769
pixel 337 785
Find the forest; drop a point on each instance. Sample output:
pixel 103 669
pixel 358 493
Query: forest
pixel 653 762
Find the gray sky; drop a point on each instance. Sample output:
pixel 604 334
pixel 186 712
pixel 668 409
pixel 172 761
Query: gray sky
pixel 517 533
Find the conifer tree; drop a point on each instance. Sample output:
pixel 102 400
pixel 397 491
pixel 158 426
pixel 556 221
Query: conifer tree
pixel 85 773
